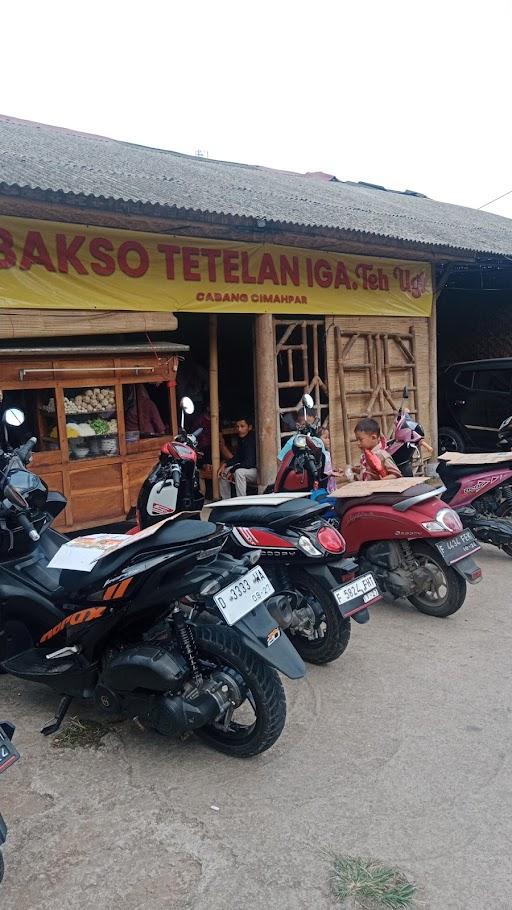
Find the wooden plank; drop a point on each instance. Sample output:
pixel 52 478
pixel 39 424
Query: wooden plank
pixel 56 323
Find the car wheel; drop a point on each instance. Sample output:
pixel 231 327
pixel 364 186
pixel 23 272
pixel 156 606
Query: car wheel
pixel 450 441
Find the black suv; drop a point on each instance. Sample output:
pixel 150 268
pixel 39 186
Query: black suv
pixel 474 399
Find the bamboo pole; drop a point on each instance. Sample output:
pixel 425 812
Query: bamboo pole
pixel 266 385
pixel 214 403
pixel 343 397
pixel 432 354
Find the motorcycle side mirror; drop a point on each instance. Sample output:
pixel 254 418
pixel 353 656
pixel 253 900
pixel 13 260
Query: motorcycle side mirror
pixel 187 405
pixel 307 401
pixel 13 417
pixel 405 392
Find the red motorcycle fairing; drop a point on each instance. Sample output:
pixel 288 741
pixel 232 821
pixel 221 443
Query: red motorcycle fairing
pixel 179 450
pixel 290 481
pixel 361 524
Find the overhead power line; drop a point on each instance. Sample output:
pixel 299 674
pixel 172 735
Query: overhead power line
pixel 495 200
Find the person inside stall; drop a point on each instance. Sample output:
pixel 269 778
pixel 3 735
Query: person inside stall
pixel 240 469
pixel 142 413
pixel 192 382
pixel 204 422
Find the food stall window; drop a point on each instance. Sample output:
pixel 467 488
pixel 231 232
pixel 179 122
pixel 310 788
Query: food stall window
pixel 91 422
pixel 146 410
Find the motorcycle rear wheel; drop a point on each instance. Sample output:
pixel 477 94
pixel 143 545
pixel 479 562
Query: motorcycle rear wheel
pixel 505 511
pixel 2 867
pixel 222 648
pixel 336 632
pixel 447 590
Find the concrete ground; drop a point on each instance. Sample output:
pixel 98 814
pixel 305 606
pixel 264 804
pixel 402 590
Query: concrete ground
pixel 401 750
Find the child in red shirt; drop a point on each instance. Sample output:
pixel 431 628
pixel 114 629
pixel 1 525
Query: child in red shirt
pixel 376 463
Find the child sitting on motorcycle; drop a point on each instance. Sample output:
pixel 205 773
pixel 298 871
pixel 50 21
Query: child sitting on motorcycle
pixel 375 463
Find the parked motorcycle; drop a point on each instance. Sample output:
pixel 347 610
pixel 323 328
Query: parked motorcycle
pixel 302 555
pixel 404 446
pixel 8 755
pixel 116 634
pixel 412 544
pixel 479 488
pixel 415 546
pixel 305 558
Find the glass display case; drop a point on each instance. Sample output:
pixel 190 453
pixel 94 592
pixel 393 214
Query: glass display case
pixel 91 421
pixel 84 447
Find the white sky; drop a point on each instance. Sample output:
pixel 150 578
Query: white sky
pixel 406 94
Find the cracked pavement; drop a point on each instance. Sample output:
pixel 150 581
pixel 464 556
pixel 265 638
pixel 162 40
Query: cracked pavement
pixel 401 750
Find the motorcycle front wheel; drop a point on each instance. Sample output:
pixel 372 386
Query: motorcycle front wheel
pixel 258 722
pixel 332 630
pixel 446 589
pixel 2 867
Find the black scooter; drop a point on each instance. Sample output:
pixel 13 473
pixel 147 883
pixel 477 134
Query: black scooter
pixel 116 634
pixel 8 755
pixel 301 553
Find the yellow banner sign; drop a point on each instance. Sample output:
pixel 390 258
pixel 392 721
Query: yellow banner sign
pixel 48 264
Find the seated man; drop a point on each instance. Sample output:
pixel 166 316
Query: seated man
pixel 241 468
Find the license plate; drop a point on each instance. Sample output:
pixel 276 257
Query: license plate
pixel 8 754
pixel 240 597
pixel 357 594
pixel 457 548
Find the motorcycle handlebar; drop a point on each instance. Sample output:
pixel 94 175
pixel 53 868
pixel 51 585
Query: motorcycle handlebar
pixel 25 451
pixel 27 526
pixel 176 475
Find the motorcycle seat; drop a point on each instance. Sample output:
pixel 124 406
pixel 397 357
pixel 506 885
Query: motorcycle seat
pixel 378 499
pixel 284 514
pixel 170 535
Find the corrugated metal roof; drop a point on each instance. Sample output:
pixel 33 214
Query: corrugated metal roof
pixel 56 160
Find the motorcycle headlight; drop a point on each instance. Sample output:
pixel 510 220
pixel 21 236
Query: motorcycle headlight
pixel 300 442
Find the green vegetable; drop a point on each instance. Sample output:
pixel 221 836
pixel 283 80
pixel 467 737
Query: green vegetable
pixel 100 426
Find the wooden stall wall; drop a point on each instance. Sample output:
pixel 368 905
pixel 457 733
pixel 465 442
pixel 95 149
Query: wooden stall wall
pixel 369 360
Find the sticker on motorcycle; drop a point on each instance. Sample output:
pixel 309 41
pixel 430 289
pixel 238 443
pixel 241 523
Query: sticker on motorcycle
pixel 162 499
pixel 273 636
pixel 74 620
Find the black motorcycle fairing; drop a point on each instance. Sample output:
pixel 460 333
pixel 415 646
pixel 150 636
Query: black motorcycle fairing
pixel 259 632
pixel 170 535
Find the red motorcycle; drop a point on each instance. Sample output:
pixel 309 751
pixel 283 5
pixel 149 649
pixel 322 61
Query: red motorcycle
pixel 415 546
